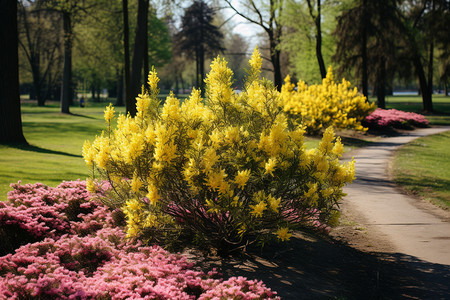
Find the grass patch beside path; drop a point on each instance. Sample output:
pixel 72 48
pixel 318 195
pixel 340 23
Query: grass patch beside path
pixel 55 139
pixel 423 168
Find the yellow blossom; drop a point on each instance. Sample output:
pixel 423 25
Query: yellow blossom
pixel 274 203
pixel 152 194
pixel 242 178
pixel 270 166
pixel 90 186
pixel 133 205
pixel 153 81
pixel 136 183
pixel 109 113
pixel 216 181
pixel 88 153
pixel 258 209
pixel 171 108
pixel 256 61
pixel 283 234
pixel 338 148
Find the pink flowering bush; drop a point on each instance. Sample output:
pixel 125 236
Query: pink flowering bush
pixel 35 211
pixel 392 118
pixel 71 247
pixel 95 268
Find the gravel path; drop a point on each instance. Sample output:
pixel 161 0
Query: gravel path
pixel 411 226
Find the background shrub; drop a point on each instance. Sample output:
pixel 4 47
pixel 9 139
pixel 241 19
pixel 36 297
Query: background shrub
pixel 319 106
pixel 393 118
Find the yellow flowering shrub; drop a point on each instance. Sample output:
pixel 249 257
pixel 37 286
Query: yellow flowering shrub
pixel 320 106
pixel 222 171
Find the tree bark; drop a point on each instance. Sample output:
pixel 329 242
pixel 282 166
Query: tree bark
pixel 126 51
pixel 381 87
pixel 120 89
pixel 66 88
pixel 423 85
pixel 146 62
pixel 10 115
pixel 365 74
pixel 138 56
pixel 317 22
pixel 445 87
pixel 202 70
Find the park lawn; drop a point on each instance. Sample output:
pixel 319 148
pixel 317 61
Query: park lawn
pixel 423 168
pixel 56 140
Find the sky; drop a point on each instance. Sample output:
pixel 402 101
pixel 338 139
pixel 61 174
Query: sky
pixel 242 26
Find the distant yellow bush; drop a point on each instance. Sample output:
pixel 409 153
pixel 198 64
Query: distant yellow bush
pixel 222 171
pixel 328 104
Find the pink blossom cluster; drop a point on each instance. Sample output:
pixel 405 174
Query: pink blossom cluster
pixel 35 211
pixel 384 118
pixel 78 252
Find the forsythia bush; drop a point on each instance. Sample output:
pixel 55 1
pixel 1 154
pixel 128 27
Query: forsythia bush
pixel 328 104
pixel 223 171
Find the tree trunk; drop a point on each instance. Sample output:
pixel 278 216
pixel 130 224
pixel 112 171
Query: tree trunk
pixel 146 62
pixel 275 58
pixel 126 51
pixel 37 88
pixel 445 87
pixel 93 93
pixel 202 70
pixel 66 88
pixel 120 89
pixel 381 87
pixel 365 75
pixel 429 104
pixel 182 83
pixel 424 89
pixel 138 56
pixel 323 72
pixel 197 68
pixel 10 116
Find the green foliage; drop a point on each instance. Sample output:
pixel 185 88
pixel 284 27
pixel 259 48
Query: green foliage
pixel 222 171
pixel 300 41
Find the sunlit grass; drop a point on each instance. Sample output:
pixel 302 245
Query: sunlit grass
pixel 423 168
pixel 55 139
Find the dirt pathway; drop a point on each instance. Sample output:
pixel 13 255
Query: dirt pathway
pixel 397 222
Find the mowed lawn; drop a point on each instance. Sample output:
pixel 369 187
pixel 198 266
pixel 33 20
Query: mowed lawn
pixel 56 140
pixel 423 168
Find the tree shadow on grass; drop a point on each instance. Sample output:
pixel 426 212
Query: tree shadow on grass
pixel 83 116
pixel 311 267
pixel 32 148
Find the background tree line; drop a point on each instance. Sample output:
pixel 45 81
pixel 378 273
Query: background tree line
pixel 68 45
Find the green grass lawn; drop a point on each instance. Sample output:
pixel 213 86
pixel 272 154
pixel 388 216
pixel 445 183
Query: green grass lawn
pixel 55 142
pixel 423 168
